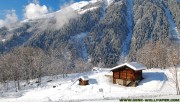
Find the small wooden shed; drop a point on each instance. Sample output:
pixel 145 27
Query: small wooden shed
pixel 128 74
pixel 84 80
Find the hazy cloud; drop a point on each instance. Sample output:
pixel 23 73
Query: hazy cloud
pixel 12 17
pixel 2 23
pixel 34 10
pixel 63 16
pixel 10 20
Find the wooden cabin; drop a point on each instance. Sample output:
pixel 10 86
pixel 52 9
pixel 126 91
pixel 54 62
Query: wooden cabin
pixel 128 74
pixel 84 80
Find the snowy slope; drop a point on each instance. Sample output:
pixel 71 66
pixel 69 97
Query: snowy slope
pixel 79 5
pixel 156 83
pixel 79 41
pixel 173 28
pixel 84 11
pixel 75 6
pixel 108 2
pixel 126 44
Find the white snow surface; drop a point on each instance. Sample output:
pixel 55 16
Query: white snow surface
pixel 133 65
pixel 79 5
pixel 90 9
pixel 3 40
pixel 156 83
pixel 108 2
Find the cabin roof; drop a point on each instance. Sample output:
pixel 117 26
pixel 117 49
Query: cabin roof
pixel 133 65
pixel 84 78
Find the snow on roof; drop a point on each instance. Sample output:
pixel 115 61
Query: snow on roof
pixel 133 65
pixel 84 78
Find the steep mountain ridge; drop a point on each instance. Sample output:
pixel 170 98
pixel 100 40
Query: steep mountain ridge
pixel 103 31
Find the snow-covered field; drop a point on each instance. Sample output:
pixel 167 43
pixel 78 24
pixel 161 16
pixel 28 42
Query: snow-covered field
pixel 157 83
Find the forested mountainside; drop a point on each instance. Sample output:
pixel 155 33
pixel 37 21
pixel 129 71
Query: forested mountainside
pixel 102 33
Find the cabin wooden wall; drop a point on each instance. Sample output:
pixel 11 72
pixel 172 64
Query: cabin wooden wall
pixel 83 82
pixel 138 75
pixel 126 73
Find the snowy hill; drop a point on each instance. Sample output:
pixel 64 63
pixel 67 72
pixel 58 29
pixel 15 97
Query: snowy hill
pixel 156 83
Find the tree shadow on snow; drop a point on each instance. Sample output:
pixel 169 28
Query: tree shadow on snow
pixel 93 81
pixel 153 76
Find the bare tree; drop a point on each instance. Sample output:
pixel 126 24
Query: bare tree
pixel 26 60
pixel 101 64
pixel 145 55
pixel 5 70
pixel 174 60
pixel 160 55
pixel 153 55
pixel 40 61
pixel 16 66
pixel 23 63
pixel 60 61
pixel 80 65
pixel 122 59
pixel 66 58
pixel 56 61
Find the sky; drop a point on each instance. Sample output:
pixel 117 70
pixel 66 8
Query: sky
pixel 19 8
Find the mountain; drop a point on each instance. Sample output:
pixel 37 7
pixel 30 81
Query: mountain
pixel 103 32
